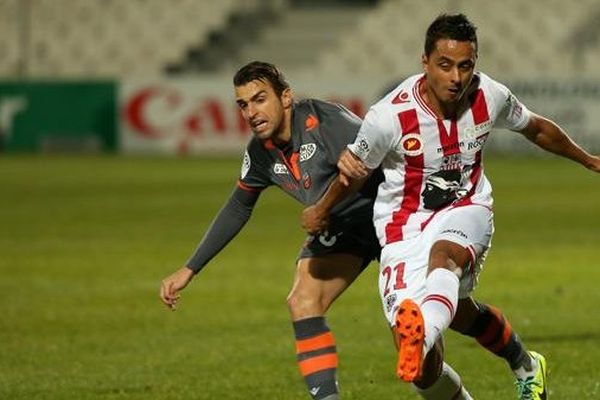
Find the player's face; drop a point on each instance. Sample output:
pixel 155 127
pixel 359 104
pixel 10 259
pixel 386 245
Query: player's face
pixel 262 108
pixel 449 69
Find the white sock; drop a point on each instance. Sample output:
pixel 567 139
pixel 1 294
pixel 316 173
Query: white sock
pixel 448 386
pixel 439 305
pixel 523 373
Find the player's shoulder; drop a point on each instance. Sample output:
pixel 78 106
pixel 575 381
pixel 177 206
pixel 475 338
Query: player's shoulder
pixel 402 96
pixel 256 147
pixel 489 84
pixel 321 112
pixel 323 108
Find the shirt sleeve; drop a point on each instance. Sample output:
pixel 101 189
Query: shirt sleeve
pixel 377 135
pixel 513 115
pixel 252 174
pixel 226 225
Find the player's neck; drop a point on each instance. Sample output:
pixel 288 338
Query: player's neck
pixel 441 110
pixel 284 133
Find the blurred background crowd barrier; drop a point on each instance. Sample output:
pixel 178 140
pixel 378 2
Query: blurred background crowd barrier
pixel 154 76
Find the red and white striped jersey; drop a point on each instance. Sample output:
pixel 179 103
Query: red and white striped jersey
pixel 403 135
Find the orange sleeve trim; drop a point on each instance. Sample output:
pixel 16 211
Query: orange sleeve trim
pixel 247 188
pixel 315 343
pixel 319 363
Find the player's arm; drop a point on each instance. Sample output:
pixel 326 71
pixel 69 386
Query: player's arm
pixel 315 218
pixel 551 137
pixel 226 225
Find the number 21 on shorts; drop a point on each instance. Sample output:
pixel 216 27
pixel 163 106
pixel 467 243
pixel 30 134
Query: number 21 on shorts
pixel 396 275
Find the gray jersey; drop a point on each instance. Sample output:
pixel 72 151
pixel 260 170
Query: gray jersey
pixel 304 169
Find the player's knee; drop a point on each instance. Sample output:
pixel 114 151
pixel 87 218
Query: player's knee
pixel 467 314
pixel 302 305
pixel 449 255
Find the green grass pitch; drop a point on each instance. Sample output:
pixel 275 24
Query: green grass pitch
pixel 85 241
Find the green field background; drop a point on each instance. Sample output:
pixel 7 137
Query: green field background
pixel 85 242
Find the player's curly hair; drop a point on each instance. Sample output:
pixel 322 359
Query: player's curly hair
pixel 450 26
pixel 263 71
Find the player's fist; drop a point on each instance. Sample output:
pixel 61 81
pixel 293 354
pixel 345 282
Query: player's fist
pixel 351 166
pixel 314 220
pixel 171 285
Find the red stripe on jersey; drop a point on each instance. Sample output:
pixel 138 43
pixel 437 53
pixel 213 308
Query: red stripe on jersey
pixel 449 142
pixel 413 179
pixel 479 108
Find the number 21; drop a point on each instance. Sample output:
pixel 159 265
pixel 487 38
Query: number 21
pixel 399 281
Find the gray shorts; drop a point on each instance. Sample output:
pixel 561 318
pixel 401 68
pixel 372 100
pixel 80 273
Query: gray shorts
pixel 351 236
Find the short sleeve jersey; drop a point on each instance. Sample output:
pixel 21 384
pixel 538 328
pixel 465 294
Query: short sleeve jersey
pixel 403 135
pixel 320 131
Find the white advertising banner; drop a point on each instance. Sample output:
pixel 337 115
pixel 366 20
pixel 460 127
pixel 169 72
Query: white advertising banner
pixel 199 116
pixel 572 104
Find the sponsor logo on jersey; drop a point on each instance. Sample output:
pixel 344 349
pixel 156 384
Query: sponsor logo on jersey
pixel 327 240
pixel 483 128
pixel 311 122
pixel 456 232
pixel 411 144
pixel 516 110
pixel 245 165
pixel 451 162
pixel 474 145
pixel 400 98
pixel 306 181
pixel 307 151
pixel 280 169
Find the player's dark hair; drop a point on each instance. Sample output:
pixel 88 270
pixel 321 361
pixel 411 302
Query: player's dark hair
pixel 258 70
pixel 450 26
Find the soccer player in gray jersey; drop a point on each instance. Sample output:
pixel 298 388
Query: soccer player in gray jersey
pixel 296 147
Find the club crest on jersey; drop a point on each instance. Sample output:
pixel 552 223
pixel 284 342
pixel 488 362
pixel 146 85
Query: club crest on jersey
pixel 245 165
pixel 411 144
pixel 361 148
pixel 280 169
pixel 307 151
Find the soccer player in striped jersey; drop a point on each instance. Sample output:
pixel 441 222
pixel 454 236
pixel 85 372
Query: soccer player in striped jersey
pixel 433 213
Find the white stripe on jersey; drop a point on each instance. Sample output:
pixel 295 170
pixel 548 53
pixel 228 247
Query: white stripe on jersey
pixel 402 134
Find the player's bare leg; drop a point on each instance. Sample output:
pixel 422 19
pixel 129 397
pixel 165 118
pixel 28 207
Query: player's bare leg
pixel 318 282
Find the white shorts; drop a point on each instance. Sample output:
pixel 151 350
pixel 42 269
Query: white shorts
pixel 403 266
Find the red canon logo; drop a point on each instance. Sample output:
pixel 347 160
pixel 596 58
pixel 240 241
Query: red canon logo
pixel 156 112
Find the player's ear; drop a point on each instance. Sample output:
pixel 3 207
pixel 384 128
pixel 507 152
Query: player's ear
pixel 286 98
pixel 424 60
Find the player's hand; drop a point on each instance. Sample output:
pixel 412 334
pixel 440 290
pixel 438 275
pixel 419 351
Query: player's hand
pixel 351 166
pixel 594 164
pixel 314 221
pixel 171 285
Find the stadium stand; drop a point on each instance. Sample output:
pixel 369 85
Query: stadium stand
pixel 535 38
pixel 104 38
pixel 107 38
